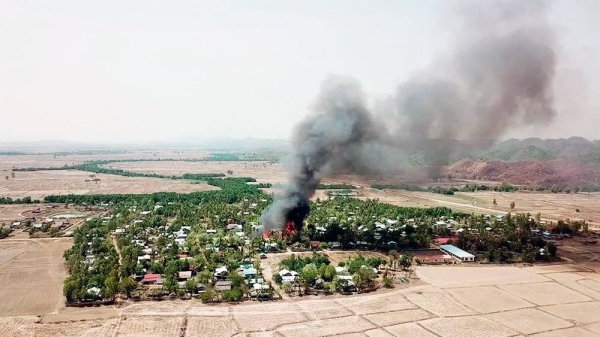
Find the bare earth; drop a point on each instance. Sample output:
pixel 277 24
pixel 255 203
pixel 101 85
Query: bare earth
pixel 535 301
pixel 31 276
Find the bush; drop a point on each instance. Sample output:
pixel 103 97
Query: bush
pixel 234 294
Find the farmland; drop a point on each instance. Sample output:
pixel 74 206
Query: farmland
pixel 424 310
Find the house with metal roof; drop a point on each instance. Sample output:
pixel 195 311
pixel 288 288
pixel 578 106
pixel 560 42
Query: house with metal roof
pixel 457 253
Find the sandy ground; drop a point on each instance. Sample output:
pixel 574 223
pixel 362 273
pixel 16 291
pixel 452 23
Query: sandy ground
pixel 31 276
pixel 537 301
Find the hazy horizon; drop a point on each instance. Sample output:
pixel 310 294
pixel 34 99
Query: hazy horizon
pixel 136 72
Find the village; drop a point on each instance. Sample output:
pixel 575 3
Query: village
pixel 144 250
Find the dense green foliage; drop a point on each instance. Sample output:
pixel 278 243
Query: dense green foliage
pixel 92 262
pixel 201 176
pixel 447 190
pixel 296 263
pixel 25 200
pixel 4 232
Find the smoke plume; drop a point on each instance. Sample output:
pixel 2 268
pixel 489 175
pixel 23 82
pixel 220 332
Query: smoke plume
pixel 497 76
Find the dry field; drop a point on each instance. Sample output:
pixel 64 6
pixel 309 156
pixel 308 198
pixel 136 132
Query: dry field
pixel 41 183
pixel 261 171
pixel 540 301
pixel 31 276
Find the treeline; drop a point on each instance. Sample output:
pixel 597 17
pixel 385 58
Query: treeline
pixel 232 190
pixel 447 190
pixel 201 176
pixel 336 187
pixel 12 153
pixel 264 185
pixel 88 152
pixel 25 200
pixel 31 169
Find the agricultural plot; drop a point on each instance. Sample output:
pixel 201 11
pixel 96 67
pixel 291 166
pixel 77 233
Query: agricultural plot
pixel 546 293
pixel 327 327
pixel 480 276
pixel 140 326
pixel 488 299
pixel 467 327
pixel 31 276
pixel 210 327
pixel 529 321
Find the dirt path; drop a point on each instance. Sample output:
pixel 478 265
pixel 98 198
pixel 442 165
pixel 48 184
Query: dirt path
pixel 114 241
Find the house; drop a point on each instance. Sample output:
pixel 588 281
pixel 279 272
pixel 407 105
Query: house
pixel 151 279
pixel 211 231
pixel 38 226
pixel 335 245
pixel 16 224
pixel 220 272
pixel 145 257
pixel 249 272
pixel 222 285
pixel 119 231
pixel 440 223
pixel 287 273
pixel 185 275
pixel 314 244
pixel 457 253
pixel 341 270
pixel 94 291
pixel 145 212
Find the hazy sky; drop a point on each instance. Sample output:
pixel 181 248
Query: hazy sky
pixel 148 70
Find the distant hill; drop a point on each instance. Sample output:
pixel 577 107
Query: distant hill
pixel 565 163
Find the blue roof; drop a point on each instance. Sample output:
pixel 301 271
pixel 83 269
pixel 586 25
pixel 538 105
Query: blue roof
pixel 456 251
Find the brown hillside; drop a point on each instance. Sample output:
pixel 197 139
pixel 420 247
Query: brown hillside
pixel 559 173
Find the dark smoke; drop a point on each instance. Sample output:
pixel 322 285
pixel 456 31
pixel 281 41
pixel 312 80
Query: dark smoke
pixel 497 76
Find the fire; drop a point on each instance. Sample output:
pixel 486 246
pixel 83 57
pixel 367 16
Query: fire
pixel 289 227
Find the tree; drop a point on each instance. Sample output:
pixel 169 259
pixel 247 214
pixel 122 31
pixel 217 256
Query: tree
pixel 362 278
pixel 405 262
pixel 205 277
pixel 552 249
pixel 308 275
pixel 528 254
pixel 111 283
pixel 127 285
pixel 387 282
pixel 327 273
pixel 208 295
pixel 12 174
pixel 495 203
pixel 512 205
pixel 71 289
pixel 190 285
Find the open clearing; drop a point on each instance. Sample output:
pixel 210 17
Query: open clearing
pixel 527 304
pixel 31 276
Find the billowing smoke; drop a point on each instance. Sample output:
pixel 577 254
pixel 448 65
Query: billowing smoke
pixel 497 76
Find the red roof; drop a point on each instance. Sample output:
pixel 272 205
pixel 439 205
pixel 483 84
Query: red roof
pixel 443 241
pixel 151 278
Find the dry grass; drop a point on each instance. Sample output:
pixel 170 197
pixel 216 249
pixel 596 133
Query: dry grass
pixel 31 276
